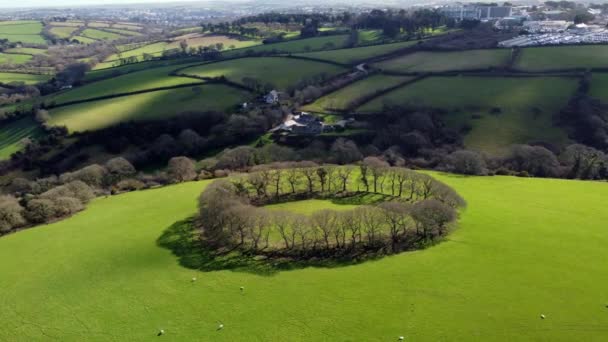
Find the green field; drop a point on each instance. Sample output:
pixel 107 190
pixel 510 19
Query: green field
pixel 445 61
pixel 22 31
pixel 115 71
pixel 131 27
pixel 309 207
pixel 124 32
pixel 8 77
pixel 84 40
pixel 63 32
pixel 98 24
pixel 281 72
pixel 527 106
pixel 27 51
pixel 563 57
pixel 153 49
pixel 352 56
pixel 11 135
pixel 9 58
pixel 342 98
pixel 148 106
pixel 524 247
pixel 74 23
pixel 100 35
pixel 296 46
pixel 147 79
pixel 599 86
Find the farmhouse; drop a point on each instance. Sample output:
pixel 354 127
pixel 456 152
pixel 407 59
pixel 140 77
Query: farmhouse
pixel 272 97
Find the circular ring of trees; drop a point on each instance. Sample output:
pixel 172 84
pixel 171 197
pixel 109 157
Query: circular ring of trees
pixel 414 209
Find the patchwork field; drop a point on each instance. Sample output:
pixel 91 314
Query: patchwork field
pixel 84 40
pixel 341 99
pixel 563 57
pixel 100 35
pixel 8 77
pixel 124 32
pixel 27 51
pixel 63 32
pixel 352 56
pixel 22 31
pixel 196 40
pixel 296 46
pixel 510 260
pixel 508 110
pixel 146 79
pixel 6 58
pixel 116 71
pixel 445 61
pixel 280 72
pixel 74 23
pixel 148 106
pixel 12 134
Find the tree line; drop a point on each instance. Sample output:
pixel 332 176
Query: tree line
pixel 231 212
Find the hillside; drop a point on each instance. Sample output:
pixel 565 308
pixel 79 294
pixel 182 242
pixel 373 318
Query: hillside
pixel 62 280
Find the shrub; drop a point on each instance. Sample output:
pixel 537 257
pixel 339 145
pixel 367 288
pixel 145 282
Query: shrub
pixel 466 162
pixel 65 206
pixel 130 185
pixel 76 189
pixel 11 214
pixel 181 169
pixel 40 210
pixel 93 175
pixel 119 169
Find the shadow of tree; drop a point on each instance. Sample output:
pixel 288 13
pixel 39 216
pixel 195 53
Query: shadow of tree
pixel 183 240
pixel 362 198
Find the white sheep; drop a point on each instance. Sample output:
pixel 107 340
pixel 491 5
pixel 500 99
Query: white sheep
pixel 161 332
pixel 220 327
pixel 401 338
pixel 542 316
pixel 194 279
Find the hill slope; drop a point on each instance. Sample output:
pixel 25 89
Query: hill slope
pixel 101 276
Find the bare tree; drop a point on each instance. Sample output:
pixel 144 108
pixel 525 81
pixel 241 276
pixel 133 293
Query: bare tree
pixel 396 217
pixel 343 174
pixel 324 221
pixel 372 221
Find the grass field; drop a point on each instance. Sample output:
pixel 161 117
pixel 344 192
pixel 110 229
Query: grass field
pixel 341 99
pixel 281 72
pixel 108 72
pixel 131 27
pixel 148 106
pixel 27 51
pixel 9 58
pixel 309 207
pixel 22 31
pixel 100 35
pixel 444 61
pixel 146 79
pixel 195 40
pixel 84 40
pixel 296 46
pixel 527 106
pixel 8 77
pixel 63 32
pixel 524 247
pixel 352 56
pixel 11 135
pixel 74 23
pixel 124 32
pixel 599 86
pixel 563 57
pixel 98 24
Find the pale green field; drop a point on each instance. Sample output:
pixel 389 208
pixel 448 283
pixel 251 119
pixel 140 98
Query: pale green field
pixel 74 23
pixel 22 31
pixel 116 71
pixel 84 40
pixel 527 107
pixel 8 77
pixel 444 61
pixel 28 51
pixel 124 32
pixel 147 79
pixel 100 35
pixel 63 31
pixel 296 46
pixel 9 58
pixel 523 247
pixel 563 57
pixel 355 55
pixel 98 24
pixel 342 98
pixel 309 207
pixel 281 72
pixel 131 27
pixel 148 106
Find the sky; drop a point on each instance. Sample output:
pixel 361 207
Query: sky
pixel 56 3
